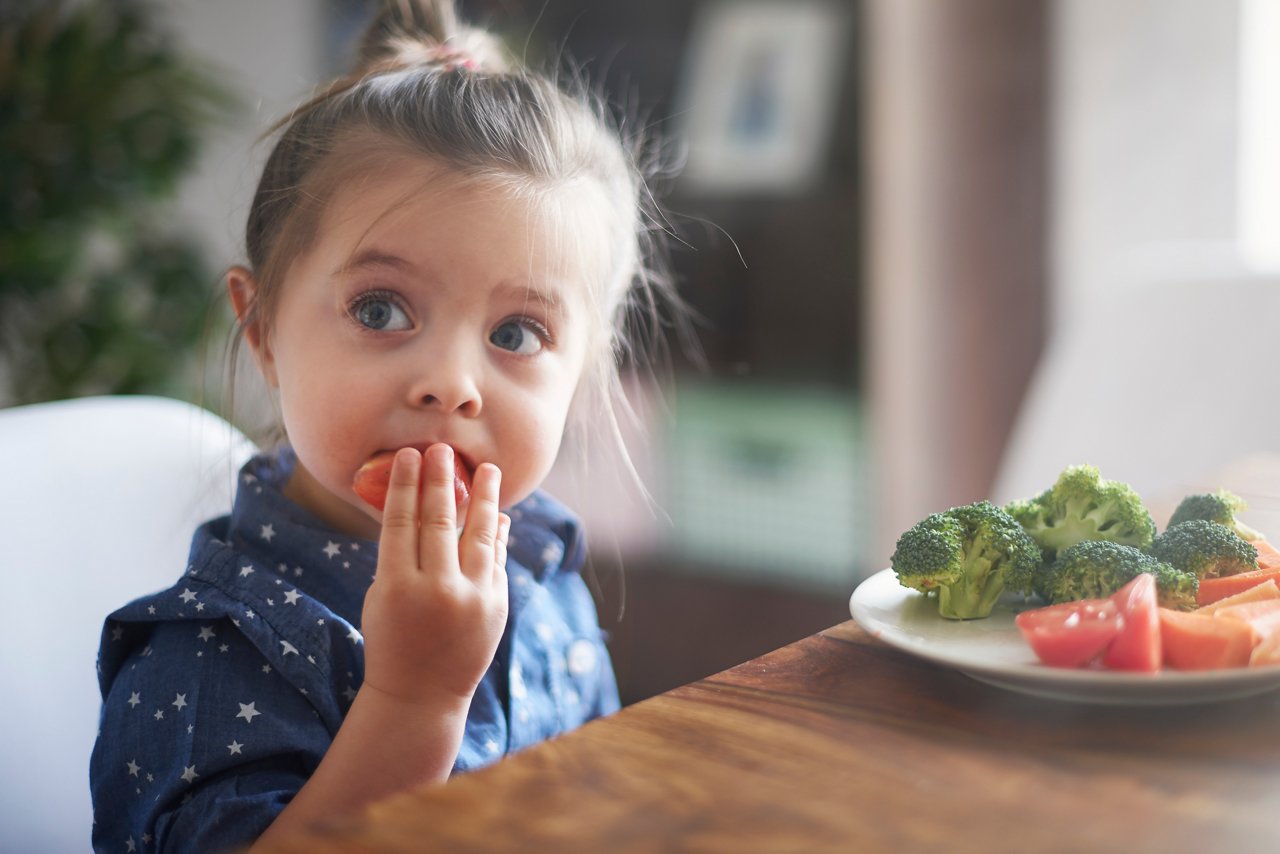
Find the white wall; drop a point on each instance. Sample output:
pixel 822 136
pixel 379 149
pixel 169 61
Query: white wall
pixel 270 54
pixel 1146 133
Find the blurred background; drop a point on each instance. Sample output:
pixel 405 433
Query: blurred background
pixel 888 212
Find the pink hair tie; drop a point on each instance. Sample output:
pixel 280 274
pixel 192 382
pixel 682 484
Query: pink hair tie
pixel 453 58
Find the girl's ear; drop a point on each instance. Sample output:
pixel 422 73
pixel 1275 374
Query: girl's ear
pixel 242 288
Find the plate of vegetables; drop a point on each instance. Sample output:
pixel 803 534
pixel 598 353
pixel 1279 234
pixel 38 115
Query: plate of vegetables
pixel 1072 595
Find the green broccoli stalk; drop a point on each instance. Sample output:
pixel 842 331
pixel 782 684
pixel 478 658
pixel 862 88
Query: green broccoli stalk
pixel 1205 549
pixel 968 556
pixel 1094 569
pixel 1083 506
pixel 1221 507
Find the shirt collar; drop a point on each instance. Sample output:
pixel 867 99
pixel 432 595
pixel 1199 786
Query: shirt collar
pixel 290 541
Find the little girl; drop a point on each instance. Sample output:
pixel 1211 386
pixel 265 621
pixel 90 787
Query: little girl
pixel 441 252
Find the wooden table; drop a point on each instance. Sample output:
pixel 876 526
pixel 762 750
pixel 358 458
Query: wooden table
pixel 841 743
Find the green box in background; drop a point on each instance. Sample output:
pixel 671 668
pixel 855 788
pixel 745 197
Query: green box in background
pixel 770 483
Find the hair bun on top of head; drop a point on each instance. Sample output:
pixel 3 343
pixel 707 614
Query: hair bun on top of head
pixel 428 34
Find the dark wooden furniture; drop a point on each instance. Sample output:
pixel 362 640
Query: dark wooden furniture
pixel 841 743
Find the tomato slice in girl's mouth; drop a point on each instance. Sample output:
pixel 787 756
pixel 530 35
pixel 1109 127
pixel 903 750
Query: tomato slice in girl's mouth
pixel 374 477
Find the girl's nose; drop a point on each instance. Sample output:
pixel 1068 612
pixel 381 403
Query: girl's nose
pixel 455 394
pixel 448 383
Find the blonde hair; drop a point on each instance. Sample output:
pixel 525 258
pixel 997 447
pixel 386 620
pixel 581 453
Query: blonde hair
pixel 428 85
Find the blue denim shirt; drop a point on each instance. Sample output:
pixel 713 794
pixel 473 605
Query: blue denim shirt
pixel 222 693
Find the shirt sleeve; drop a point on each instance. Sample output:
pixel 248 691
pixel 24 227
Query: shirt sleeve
pixel 202 742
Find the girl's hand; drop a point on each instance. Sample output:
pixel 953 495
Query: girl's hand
pixel 436 610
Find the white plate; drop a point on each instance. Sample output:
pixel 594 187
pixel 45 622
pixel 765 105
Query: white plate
pixel 992 650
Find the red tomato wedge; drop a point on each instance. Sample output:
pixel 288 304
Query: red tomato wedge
pixel 1193 641
pixel 1137 646
pixel 1071 634
pixel 374 477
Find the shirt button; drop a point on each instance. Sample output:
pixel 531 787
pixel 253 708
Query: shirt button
pixel 582 657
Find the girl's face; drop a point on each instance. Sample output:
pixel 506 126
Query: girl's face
pixel 456 316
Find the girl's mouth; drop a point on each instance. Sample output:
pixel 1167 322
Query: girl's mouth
pixel 374 477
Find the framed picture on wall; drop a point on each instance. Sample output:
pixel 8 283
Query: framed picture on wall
pixel 758 93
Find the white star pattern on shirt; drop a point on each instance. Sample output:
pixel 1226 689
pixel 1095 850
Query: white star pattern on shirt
pixel 268 532
pixel 159 715
pixel 288 648
pixel 332 549
pixel 354 636
pixel 130 845
pixel 234 747
pixel 248 712
pixel 206 633
pixel 134 700
pixel 133 767
pixel 117 633
pixel 518 689
pixel 246 571
pixel 291 598
pixel 189 773
pixel 186 595
pixel 552 553
pixel 179 702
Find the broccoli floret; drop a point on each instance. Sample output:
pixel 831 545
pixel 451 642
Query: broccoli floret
pixel 1083 506
pixel 1094 569
pixel 968 556
pixel 1221 507
pixel 1205 549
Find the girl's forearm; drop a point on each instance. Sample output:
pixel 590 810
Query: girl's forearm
pixel 385 745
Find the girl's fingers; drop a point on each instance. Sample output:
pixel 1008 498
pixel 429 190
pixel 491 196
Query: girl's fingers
pixel 398 542
pixel 500 548
pixel 480 536
pixel 438 533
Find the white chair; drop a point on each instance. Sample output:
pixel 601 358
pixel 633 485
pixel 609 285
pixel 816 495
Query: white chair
pixel 100 497
pixel 1171 386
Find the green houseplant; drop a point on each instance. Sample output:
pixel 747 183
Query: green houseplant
pixel 99 118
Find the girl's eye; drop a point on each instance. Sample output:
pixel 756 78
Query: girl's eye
pixel 523 337
pixel 380 313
